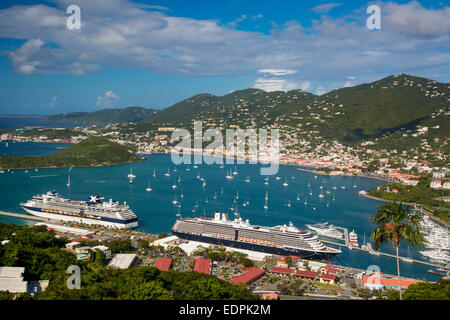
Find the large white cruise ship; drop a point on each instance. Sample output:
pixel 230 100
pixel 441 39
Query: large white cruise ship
pixel 237 233
pixel 93 211
pixel 327 230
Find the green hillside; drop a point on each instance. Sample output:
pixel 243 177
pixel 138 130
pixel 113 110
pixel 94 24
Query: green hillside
pixel 349 115
pixel 90 152
pixel 130 114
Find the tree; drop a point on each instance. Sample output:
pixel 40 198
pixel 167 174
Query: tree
pixel 396 223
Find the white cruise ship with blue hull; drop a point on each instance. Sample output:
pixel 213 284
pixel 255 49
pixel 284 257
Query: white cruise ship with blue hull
pixel 237 233
pixel 93 211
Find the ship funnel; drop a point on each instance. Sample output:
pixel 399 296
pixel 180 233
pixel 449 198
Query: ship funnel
pixel 225 216
pixel 217 215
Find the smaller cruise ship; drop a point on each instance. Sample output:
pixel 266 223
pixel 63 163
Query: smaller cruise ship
pixel 353 238
pixel 326 230
pixel 93 211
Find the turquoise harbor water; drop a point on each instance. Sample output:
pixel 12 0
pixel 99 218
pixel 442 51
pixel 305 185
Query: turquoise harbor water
pixel 157 214
pixel 13 148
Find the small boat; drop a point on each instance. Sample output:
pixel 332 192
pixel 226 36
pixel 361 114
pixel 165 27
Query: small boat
pixel 175 200
pixel 181 196
pixel 174 186
pixel 289 204
pixel 229 176
pixel 353 238
pixel 131 175
pixel 285 184
pixel 247 180
pixel 278 178
pixel 235 171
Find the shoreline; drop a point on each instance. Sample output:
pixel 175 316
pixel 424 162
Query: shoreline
pixel 302 166
pixel 89 166
pixel 418 208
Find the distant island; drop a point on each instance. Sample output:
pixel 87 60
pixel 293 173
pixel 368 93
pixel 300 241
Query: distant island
pixel 125 115
pixel 94 151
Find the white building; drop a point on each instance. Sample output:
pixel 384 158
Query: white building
pixel 435 184
pixel 11 279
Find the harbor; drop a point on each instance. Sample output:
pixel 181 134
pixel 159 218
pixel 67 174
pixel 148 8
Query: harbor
pixel 368 248
pixel 292 196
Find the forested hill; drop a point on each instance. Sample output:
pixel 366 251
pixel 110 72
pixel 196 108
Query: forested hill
pixel 93 151
pixel 349 115
pixel 130 114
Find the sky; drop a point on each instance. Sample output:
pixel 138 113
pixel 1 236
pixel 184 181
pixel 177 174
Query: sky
pixel 156 53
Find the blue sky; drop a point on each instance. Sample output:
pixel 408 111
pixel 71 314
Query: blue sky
pixel 156 53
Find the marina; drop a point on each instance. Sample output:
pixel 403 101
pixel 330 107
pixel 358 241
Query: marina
pixel 157 212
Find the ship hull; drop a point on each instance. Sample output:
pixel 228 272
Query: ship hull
pixel 112 224
pixel 303 254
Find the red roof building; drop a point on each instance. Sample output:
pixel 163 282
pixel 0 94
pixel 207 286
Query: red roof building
pixel 270 296
pixel 202 265
pixel 281 270
pixel 163 264
pixel 327 278
pixel 374 282
pixel 329 269
pixel 306 274
pixel 251 274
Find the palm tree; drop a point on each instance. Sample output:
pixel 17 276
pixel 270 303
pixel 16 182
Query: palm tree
pixel 396 223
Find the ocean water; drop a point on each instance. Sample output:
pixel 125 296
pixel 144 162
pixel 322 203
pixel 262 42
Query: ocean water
pixel 14 148
pixel 157 214
pixel 12 122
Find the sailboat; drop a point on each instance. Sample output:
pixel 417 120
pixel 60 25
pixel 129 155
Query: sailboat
pixel 235 171
pixel 148 188
pixel 131 175
pixel 289 203
pixel 298 196
pixel 285 184
pixel 408 258
pixel 306 202
pixel 68 181
pixel 266 182
pixel 168 173
pixel 266 198
pixel 154 173
pixel 204 184
pixel 229 176
pixel 174 186
pixel 247 180
pixel 175 200
pixel 215 195
pixel 179 179
pixel 321 194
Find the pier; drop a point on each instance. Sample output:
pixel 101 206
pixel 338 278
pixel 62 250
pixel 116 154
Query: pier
pixel 22 216
pixel 347 244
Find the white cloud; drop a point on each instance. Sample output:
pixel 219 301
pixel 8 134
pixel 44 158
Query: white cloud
pixel 273 84
pixel 320 90
pixel 277 72
pixel 122 34
pixel 53 101
pixel 109 99
pixel 324 8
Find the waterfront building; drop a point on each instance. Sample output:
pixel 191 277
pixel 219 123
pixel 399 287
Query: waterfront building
pixel 250 275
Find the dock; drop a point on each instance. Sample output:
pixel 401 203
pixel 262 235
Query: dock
pixel 22 216
pixel 348 245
